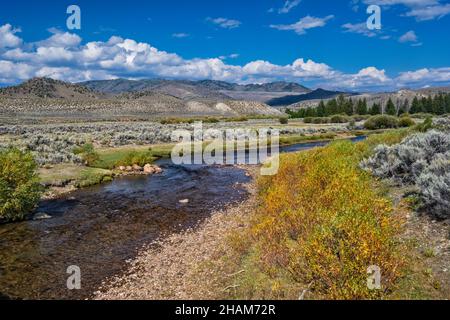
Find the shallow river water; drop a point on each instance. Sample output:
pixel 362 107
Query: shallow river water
pixel 100 228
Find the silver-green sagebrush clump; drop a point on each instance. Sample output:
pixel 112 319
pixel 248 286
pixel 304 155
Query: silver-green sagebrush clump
pixel 55 143
pixel 434 184
pixel 422 160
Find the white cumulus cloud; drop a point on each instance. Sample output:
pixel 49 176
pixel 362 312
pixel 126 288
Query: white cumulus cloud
pixel 65 57
pixel 225 23
pixel 409 36
pixel 289 5
pixel 8 38
pixel 303 24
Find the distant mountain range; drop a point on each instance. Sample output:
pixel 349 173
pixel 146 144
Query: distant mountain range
pixel 124 85
pixel 207 89
pixel 125 98
pixel 316 94
pixel 181 89
pixel 182 97
pixel 275 94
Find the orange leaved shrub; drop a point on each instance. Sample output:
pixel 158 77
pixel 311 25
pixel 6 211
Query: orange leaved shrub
pixel 322 222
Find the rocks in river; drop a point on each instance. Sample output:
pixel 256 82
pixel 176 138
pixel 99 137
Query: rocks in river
pixel 148 169
pixel 41 216
pixel 184 201
pixel 151 169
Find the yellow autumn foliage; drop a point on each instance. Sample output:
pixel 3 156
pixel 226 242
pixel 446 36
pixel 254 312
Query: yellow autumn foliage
pixel 321 222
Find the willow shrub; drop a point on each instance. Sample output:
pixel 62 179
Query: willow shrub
pixel 321 220
pixel 19 184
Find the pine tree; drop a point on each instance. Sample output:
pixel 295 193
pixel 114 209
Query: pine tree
pixel 361 109
pixel 447 103
pixel 321 110
pixel 429 105
pixel 390 108
pixel 349 107
pixel 331 107
pixel 424 103
pixel 376 109
pixel 415 106
pixel 439 105
pixel 404 108
pixel 340 104
pixel 311 112
pixel 301 113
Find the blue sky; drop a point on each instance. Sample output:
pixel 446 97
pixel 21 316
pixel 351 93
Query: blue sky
pixel 319 43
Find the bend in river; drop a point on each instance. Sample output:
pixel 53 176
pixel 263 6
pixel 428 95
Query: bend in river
pixel 100 228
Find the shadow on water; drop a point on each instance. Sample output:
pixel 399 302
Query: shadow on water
pixel 99 228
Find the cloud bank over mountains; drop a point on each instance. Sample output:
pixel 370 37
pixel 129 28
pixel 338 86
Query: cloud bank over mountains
pixel 64 56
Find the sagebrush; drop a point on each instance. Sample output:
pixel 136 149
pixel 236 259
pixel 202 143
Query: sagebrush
pixel 422 160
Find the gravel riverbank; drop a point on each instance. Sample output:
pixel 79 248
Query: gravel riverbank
pixel 174 268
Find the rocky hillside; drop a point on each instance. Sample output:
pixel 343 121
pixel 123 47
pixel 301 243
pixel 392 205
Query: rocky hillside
pixel 49 88
pixel 42 97
pixel 206 89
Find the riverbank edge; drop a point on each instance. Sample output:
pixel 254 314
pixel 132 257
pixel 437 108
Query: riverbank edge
pixel 56 192
pixel 177 267
pixel 192 265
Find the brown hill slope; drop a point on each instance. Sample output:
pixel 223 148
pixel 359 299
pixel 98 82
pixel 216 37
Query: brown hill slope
pixel 49 88
pixel 40 98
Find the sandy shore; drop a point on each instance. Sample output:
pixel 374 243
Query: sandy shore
pixel 176 267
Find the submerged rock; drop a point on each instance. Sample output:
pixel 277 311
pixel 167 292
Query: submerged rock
pixel 41 216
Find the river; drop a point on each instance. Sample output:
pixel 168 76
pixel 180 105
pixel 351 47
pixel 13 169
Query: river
pixel 100 228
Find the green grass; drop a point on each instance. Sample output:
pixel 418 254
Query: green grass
pixel 93 176
pixel 113 157
pixel 79 176
pixel 429 253
pixel 180 120
pixel 294 139
pixel 110 158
